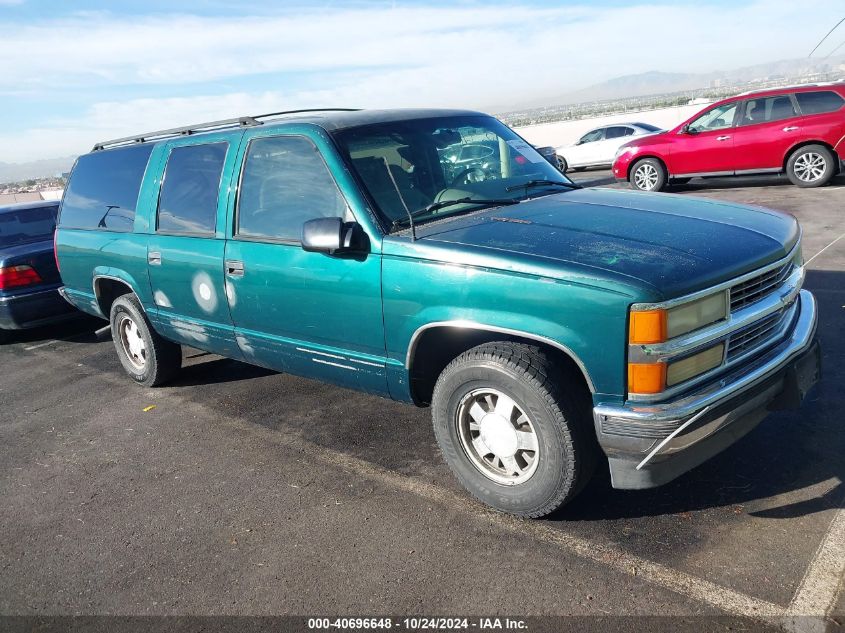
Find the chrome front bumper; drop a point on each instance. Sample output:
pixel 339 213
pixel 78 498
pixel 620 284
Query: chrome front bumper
pixel 650 444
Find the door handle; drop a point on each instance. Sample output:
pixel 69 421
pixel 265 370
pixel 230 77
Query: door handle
pixel 722 138
pixel 154 258
pixel 234 268
pixel 791 128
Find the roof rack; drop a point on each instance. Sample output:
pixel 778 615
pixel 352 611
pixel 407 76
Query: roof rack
pixel 244 121
pixel 814 84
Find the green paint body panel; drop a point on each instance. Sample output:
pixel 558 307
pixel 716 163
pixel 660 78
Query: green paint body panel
pixel 560 268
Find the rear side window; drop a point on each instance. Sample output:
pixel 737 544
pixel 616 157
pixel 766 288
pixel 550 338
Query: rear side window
pixel 23 226
pixel 188 200
pixel 285 183
pixel 767 109
pixel 819 102
pixel 618 131
pixel 103 189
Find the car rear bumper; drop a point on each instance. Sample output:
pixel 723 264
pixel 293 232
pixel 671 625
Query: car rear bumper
pixel 649 445
pixel 33 309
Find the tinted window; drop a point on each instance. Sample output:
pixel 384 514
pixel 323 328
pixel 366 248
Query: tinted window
pixel 188 201
pixel 103 189
pixel 818 102
pixel 618 131
pixel 767 109
pixel 592 137
pixel 27 225
pixel 285 183
pixel 718 118
pixel 647 127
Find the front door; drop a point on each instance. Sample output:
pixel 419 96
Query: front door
pixel 310 314
pixel 187 245
pixel 706 145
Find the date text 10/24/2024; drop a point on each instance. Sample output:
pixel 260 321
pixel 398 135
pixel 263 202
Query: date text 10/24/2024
pixel 419 623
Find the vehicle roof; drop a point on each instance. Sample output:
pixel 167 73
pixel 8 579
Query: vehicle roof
pixel 20 206
pixel 330 120
pixel 837 86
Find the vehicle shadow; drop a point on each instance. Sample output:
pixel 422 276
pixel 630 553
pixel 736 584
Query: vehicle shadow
pixel 736 182
pixel 79 329
pixel 788 452
pixel 207 369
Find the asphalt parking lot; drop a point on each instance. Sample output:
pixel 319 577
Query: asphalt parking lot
pixel 237 491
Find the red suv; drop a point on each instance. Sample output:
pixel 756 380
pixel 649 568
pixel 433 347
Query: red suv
pixel 799 131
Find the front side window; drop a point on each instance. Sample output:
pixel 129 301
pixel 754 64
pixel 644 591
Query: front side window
pixel 717 118
pixel 188 200
pixel 285 183
pixel 819 102
pixel 766 109
pixel 422 166
pixel 592 137
pixel 23 226
pixel 103 189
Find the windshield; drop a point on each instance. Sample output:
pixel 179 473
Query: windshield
pixel 408 166
pixel 27 225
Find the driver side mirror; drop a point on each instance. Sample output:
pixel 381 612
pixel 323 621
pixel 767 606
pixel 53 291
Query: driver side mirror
pixel 333 236
pixel 688 130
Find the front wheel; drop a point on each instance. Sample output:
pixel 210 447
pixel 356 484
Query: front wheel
pixel 811 166
pixel 148 358
pixel 648 174
pixel 561 164
pixel 510 429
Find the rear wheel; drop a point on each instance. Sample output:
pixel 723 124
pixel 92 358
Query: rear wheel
pixel 648 174
pixel 512 428
pixel 561 164
pixel 811 166
pixel 148 358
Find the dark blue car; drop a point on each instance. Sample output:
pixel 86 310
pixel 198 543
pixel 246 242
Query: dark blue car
pixel 29 277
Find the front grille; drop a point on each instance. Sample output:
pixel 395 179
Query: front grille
pixel 755 335
pixel 758 287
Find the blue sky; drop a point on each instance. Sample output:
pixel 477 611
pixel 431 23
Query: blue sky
pixel 73 73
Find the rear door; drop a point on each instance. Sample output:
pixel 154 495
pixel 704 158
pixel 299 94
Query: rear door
pixel 615 137
pixel 767 127
pixel 307 313
pixel 706 146
pixel 187 244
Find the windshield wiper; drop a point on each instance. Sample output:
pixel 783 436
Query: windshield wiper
pixel 543 183
pixel 436 206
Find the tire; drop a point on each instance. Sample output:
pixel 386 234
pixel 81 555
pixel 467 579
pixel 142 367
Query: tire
pixel 811 166
pixel 562 166
pixel 566 450
pixel 148 358
pixel 648 174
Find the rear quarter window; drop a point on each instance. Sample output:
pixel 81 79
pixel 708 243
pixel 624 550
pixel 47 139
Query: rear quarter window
pixel 103 189
pixel 819 102
pixel 23 226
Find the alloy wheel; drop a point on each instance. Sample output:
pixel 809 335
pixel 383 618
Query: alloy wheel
pixel 132 342
pixel 810 167
pixel 646 177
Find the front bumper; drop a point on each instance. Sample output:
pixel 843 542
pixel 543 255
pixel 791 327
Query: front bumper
pixel 33 309
pixel 650 444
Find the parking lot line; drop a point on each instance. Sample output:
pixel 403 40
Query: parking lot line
pixel 807 263
pixel 44 344
pixel 819 589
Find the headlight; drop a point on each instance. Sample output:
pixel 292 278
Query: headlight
pixel 658 326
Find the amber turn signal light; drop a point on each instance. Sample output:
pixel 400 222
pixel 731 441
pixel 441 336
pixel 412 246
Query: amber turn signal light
pixel 646 377
pixel 647 326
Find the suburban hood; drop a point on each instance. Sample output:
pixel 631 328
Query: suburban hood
pixel 675 244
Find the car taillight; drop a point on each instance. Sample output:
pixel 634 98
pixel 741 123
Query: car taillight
pixel 18 276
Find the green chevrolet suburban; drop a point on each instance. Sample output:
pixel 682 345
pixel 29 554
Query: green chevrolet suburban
pixel 434 257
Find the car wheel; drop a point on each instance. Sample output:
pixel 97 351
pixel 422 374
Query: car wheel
pixel 148 358
pixel 811 166
pixel 561 164
pixel 511 430
pixel 648 174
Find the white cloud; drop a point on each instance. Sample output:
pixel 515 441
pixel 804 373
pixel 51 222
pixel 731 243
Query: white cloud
pixel 448 56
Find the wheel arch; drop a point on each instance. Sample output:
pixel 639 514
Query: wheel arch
pixel 108 287
pixel 800 144
pixel 435 345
